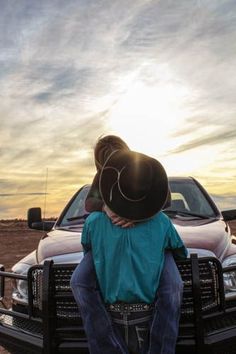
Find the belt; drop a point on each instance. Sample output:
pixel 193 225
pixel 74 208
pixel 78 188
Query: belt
pixel 123 307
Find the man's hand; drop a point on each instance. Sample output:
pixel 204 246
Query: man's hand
pixel 117 220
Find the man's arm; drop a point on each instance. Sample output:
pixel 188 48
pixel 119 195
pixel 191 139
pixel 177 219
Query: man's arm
pixel 94 200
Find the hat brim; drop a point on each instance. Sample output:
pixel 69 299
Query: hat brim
pixel 141 208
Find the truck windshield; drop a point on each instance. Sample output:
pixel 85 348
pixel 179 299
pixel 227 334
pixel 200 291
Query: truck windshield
pixel 75 212
pixel 188 199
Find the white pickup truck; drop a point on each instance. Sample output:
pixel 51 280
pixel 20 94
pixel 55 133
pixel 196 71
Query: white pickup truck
pixel 206 233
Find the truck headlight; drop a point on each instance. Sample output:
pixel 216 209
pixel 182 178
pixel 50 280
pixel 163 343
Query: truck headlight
pixel 230 276
pixel 20 292
pixel 20 287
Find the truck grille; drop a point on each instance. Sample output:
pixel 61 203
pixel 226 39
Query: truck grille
pixel 66 307
pixel 36 281
pixel 210 289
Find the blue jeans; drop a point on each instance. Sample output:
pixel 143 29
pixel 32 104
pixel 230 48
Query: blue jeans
pixel 104 336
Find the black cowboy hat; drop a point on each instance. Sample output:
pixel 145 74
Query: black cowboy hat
pixel 133 185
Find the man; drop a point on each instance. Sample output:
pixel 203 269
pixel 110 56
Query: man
pixel 129 261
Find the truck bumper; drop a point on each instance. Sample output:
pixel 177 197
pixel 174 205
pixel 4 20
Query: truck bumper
pixel 18 340
pixel 16 337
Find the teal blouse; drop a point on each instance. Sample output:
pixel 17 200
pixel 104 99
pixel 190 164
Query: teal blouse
pixel 129 261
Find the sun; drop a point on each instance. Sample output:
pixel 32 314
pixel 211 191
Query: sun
pixel 146 116
pixel 149 117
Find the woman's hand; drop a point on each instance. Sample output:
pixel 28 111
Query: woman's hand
pixel 117 220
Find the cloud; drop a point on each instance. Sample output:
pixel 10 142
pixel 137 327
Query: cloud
pixel 64 64
pixel 227 136
pixel 19 194
pixel 225 202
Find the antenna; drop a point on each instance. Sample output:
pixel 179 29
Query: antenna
pixel 45 195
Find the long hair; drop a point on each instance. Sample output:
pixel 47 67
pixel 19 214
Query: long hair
pixel 105 146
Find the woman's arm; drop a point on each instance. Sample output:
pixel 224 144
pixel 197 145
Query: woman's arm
pixel 94 200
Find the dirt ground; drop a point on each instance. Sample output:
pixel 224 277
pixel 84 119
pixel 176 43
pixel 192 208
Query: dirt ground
pixel 17 240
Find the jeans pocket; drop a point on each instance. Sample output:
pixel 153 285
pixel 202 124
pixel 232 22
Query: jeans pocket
pixel 142 333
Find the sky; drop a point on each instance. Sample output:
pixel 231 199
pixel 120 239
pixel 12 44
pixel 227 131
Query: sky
pixel 160 74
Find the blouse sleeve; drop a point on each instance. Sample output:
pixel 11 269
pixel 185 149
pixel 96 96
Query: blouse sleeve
pixel 175 243
pixel 85 238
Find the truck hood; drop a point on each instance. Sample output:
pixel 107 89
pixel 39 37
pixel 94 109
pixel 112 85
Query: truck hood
pixel 23 265
pixel 63 245
pixel 209 234
pixel 58 243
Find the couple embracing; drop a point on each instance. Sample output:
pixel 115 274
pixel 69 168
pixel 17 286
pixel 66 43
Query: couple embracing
pixel 127 286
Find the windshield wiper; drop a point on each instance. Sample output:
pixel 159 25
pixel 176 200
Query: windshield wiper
pixel 186 213
pixel 78 217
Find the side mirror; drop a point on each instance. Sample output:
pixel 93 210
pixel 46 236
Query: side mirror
pixel 34 216
pixel 34 219
pixel 229 214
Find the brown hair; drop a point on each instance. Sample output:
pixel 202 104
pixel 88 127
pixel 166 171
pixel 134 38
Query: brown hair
pixel 105 146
